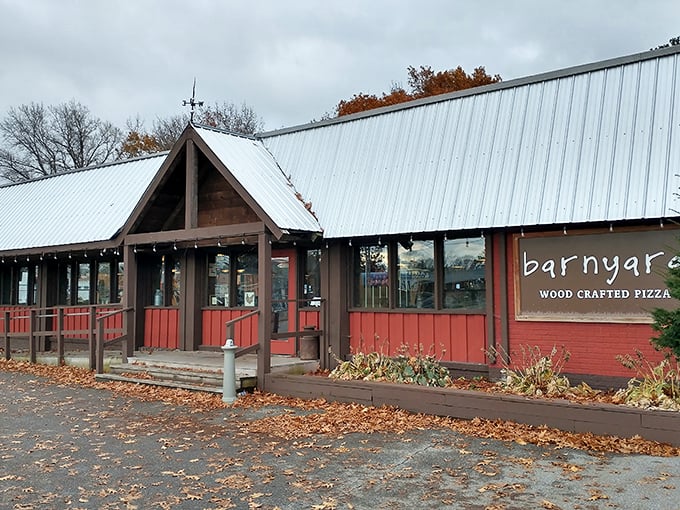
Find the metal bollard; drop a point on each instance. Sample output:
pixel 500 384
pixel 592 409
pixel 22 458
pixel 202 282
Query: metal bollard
pixel 229 381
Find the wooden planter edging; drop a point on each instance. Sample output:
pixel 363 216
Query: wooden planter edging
pixel 601 419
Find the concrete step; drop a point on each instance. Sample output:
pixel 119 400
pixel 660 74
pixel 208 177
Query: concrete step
pixel 177 376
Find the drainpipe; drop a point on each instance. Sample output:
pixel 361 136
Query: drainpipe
pixel 229 379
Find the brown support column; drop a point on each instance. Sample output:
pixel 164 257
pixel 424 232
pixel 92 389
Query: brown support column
pixel 135 323
pixel 334 289
pixel 191 301
pixel 503 292
pixel 264 324
pixel 191 189
pixel 47 297
pixel 490 301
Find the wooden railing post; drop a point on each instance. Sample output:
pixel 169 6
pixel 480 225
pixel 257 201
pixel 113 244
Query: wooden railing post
pixel 5 317
pixel 100 346
pixel 60 336
pixel 230 332
pixel 31 336
pixel 91 326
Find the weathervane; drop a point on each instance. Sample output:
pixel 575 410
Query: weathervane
pixel 192 102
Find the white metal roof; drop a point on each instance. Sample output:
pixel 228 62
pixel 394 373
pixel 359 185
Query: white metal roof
pixel 76 207
pixel 599 142
pixel 257 171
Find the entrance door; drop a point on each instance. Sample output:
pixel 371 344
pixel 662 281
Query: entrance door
pixel 284 289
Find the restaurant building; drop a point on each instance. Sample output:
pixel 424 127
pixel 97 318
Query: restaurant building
pixel 538 211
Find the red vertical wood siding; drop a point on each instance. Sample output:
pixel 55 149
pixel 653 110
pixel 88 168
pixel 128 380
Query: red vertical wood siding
pixel 16 325
pixel 161 327
pixel 593 346
pixel 214 329
pixel 451 337
pixel 309 318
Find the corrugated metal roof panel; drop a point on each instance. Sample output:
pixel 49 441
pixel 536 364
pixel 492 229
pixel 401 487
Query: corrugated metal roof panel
pixel 76 207
pixel 255 169
pixel 600 143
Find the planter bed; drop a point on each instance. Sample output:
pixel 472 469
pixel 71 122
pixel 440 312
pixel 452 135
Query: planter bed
pixel 597 418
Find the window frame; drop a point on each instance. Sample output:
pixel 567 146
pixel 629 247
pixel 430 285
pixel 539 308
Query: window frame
pixel 439 275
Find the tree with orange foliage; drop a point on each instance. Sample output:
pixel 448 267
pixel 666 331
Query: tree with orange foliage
pixel 423 82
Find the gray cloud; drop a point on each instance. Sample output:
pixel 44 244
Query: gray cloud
pixel 292 61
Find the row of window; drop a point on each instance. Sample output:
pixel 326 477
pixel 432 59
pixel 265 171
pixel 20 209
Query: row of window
pixel 430 274
pixel 78 283
pixel 427 274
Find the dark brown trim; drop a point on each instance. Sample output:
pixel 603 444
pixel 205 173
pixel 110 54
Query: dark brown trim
pixel 191 187
pixel 130 299
pixel 503 294
pixel 237 232
pixel 490 301
pixel 264 325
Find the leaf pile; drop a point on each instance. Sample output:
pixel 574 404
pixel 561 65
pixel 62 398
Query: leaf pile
pixel 333 418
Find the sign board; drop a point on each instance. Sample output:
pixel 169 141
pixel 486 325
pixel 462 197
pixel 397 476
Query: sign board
pixel 594 277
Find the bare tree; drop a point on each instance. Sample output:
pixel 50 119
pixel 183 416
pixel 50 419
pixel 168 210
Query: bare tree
pixel 39 140
pixel 166 130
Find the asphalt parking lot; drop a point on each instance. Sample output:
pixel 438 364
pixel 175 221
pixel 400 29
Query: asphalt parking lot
pixel 84 448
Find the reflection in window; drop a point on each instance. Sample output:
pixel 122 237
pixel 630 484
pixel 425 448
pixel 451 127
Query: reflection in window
pixel 176 273
pixel 22 298
pixel 83 284
pixel 64 284
pixel 103 283
pixel 464 273
pixel 5 287
pixel 246 279
pixel 371 278
pixel 219 276
pixel 415 274
pixel 120 287
pixel 311 288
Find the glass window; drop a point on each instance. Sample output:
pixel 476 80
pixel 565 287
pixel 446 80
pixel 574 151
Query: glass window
pixel 36 279
pixel 176 273
pixel 371 278
pixel 246 279
pixel 103 283
pixel 83 283
pixel 6 287
pixel 464 273
pixel 311 288
pixel 64 284
pixel 120 285
pixel 415 273
pixel 219 277
pixel 22 297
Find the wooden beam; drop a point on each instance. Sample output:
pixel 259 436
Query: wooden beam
pixel 264 326
pixel 131 300
pixel 197 234
pixel 191 187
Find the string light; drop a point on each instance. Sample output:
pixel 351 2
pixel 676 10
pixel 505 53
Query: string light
pixel 564 230
pixel 174 246
pixel 611 227
pixel 219 242
pixel 154 248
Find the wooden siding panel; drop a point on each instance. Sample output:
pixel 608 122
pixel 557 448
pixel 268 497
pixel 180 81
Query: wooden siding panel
pixel 442 336
pixel 161 328
pixel 459 334
pixel 451 337
pixel 425 334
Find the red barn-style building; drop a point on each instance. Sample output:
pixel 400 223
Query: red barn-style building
pixel 538 211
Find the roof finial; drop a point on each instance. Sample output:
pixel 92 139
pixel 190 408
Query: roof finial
pixel 192 102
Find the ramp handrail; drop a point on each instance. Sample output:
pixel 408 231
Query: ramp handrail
pixel 230 325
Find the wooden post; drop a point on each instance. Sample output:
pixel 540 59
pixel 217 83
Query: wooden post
pixel 131 300
pixel 324 355
pixel 31 336
pixel 5 328
pixel 60 336
pixel 264 327
pixel 92 318
pixel 191 189
pixel 334 286
pixel 230 332
pixel 99 342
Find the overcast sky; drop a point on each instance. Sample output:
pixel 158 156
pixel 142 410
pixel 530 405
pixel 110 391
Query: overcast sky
pixel 292 61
